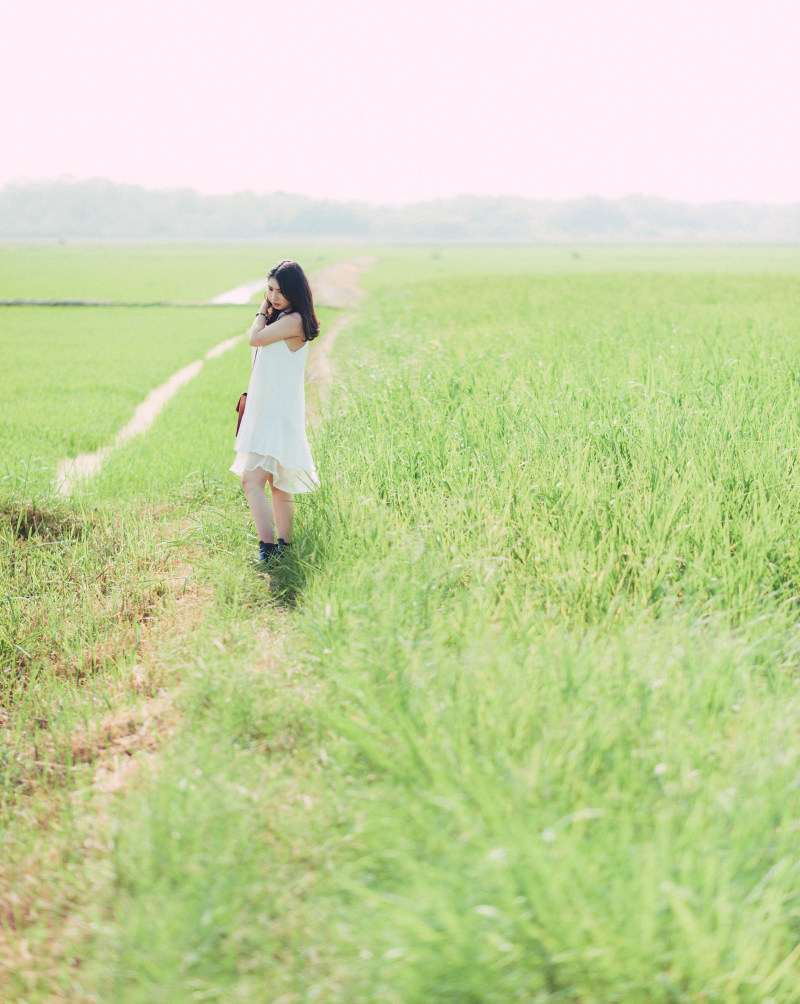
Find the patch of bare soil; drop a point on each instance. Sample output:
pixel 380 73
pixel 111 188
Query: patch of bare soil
pixel 337 286
pixel 28 521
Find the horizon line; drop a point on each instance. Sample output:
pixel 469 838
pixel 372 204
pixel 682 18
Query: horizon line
pixel 67 179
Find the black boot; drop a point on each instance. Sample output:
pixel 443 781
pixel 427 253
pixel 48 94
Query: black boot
pixel 282 545
pixel 267 551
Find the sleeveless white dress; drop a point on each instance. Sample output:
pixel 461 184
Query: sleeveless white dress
pixel 273 431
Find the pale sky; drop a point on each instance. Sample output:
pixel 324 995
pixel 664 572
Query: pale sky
pixel 390 102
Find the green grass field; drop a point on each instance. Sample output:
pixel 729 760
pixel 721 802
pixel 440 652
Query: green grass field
pixel 517 720
pixel 139 273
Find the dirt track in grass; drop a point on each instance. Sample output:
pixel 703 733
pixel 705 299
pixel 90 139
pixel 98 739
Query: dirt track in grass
pixel 126 739
pixel 336 286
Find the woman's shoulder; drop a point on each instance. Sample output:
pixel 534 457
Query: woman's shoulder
pixel 294 317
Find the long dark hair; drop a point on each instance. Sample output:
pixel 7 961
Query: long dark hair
pixel 294 286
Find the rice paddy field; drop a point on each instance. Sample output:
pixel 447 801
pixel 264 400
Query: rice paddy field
pixel 518 719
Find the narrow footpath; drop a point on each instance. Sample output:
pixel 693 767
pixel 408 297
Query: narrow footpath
pixel 335 286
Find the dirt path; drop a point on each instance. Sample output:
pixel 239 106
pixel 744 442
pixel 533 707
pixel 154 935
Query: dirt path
pixel 338 286
pixel 240 294
pixel 130 731
pixel 334 286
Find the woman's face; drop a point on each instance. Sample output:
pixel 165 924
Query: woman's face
pixel 274 295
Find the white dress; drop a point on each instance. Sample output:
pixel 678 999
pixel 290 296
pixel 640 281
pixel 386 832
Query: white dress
pixel 273 431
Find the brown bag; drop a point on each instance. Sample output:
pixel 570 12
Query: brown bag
pixel 240 410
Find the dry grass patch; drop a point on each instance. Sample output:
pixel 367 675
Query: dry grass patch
pixel 56 873
pixel 28 520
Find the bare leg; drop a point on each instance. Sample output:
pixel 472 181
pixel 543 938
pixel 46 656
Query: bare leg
pixel 254 485
pixel 283 505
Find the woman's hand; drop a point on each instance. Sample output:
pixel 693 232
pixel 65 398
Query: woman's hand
pixel 259 321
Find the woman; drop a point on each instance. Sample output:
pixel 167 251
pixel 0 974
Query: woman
pixel 271 445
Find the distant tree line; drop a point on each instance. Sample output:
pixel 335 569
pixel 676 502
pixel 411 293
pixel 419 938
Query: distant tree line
pixel 99 208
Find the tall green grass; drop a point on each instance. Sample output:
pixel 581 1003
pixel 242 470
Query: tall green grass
pixel 564 637
pixel 529 733
pixel 549 589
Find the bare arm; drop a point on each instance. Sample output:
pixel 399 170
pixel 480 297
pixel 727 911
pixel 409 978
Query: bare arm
pixel 288 326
